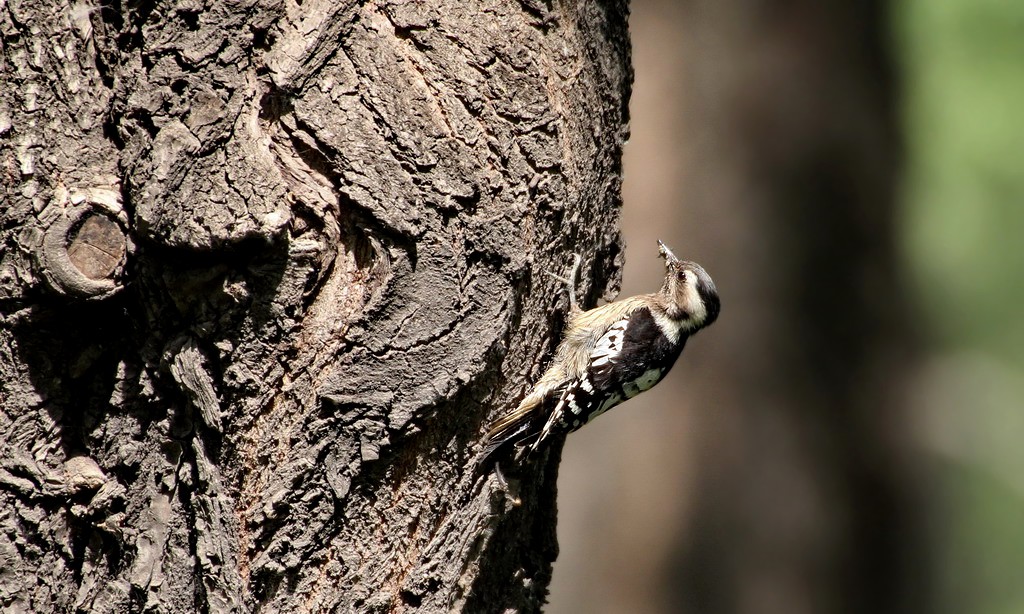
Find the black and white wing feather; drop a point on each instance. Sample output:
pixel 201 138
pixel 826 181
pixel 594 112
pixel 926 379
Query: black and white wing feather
pixel 631 357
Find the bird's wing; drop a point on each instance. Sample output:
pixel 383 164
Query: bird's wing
pixel 633 355
pixel 583 394
pixel 607 354
pixel 528 418
pixel 564 399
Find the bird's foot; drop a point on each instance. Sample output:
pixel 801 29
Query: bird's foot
pixel 570 281
pixel 510 496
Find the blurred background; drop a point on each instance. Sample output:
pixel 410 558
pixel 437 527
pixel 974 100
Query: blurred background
pixel 848 436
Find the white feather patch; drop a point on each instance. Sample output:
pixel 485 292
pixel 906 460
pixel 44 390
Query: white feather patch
pixel 669 327
pixel 609 346
pixel 693 303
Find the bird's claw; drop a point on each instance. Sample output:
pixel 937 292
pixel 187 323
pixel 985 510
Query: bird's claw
pixel 511 497
pixel 571 280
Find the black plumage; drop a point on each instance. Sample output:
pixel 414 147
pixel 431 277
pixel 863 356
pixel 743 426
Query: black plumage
pixel 610 354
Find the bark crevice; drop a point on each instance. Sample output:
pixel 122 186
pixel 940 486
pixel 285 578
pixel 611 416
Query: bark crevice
pixel 334 219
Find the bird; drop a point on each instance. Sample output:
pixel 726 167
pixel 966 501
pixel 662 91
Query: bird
pixel 608 355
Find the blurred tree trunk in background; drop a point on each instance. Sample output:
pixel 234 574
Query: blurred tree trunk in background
pixel 265 270
pixel 772 472
pixel 817 505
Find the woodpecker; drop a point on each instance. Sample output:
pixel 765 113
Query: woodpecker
pixel 610 354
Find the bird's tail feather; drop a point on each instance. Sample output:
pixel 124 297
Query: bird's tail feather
pixel 492 445
pixel 513 428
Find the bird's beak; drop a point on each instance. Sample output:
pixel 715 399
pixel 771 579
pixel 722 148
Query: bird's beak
pixel 666 253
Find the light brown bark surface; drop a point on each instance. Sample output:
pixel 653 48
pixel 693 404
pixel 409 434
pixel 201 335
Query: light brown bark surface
pixel 266 269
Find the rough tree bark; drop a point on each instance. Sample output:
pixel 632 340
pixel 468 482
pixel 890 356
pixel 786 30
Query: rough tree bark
pixel 267 268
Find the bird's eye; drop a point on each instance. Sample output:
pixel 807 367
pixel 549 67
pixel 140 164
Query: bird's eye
pixel 681 275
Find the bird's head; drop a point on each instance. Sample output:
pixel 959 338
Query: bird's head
pixel 689 292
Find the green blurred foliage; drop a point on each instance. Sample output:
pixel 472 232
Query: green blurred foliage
pixel 972 426
pixel 963 222
pixel 988 582
pixel 964 113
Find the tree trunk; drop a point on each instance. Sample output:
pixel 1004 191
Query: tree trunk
pixel 820 504
pixel 267 269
